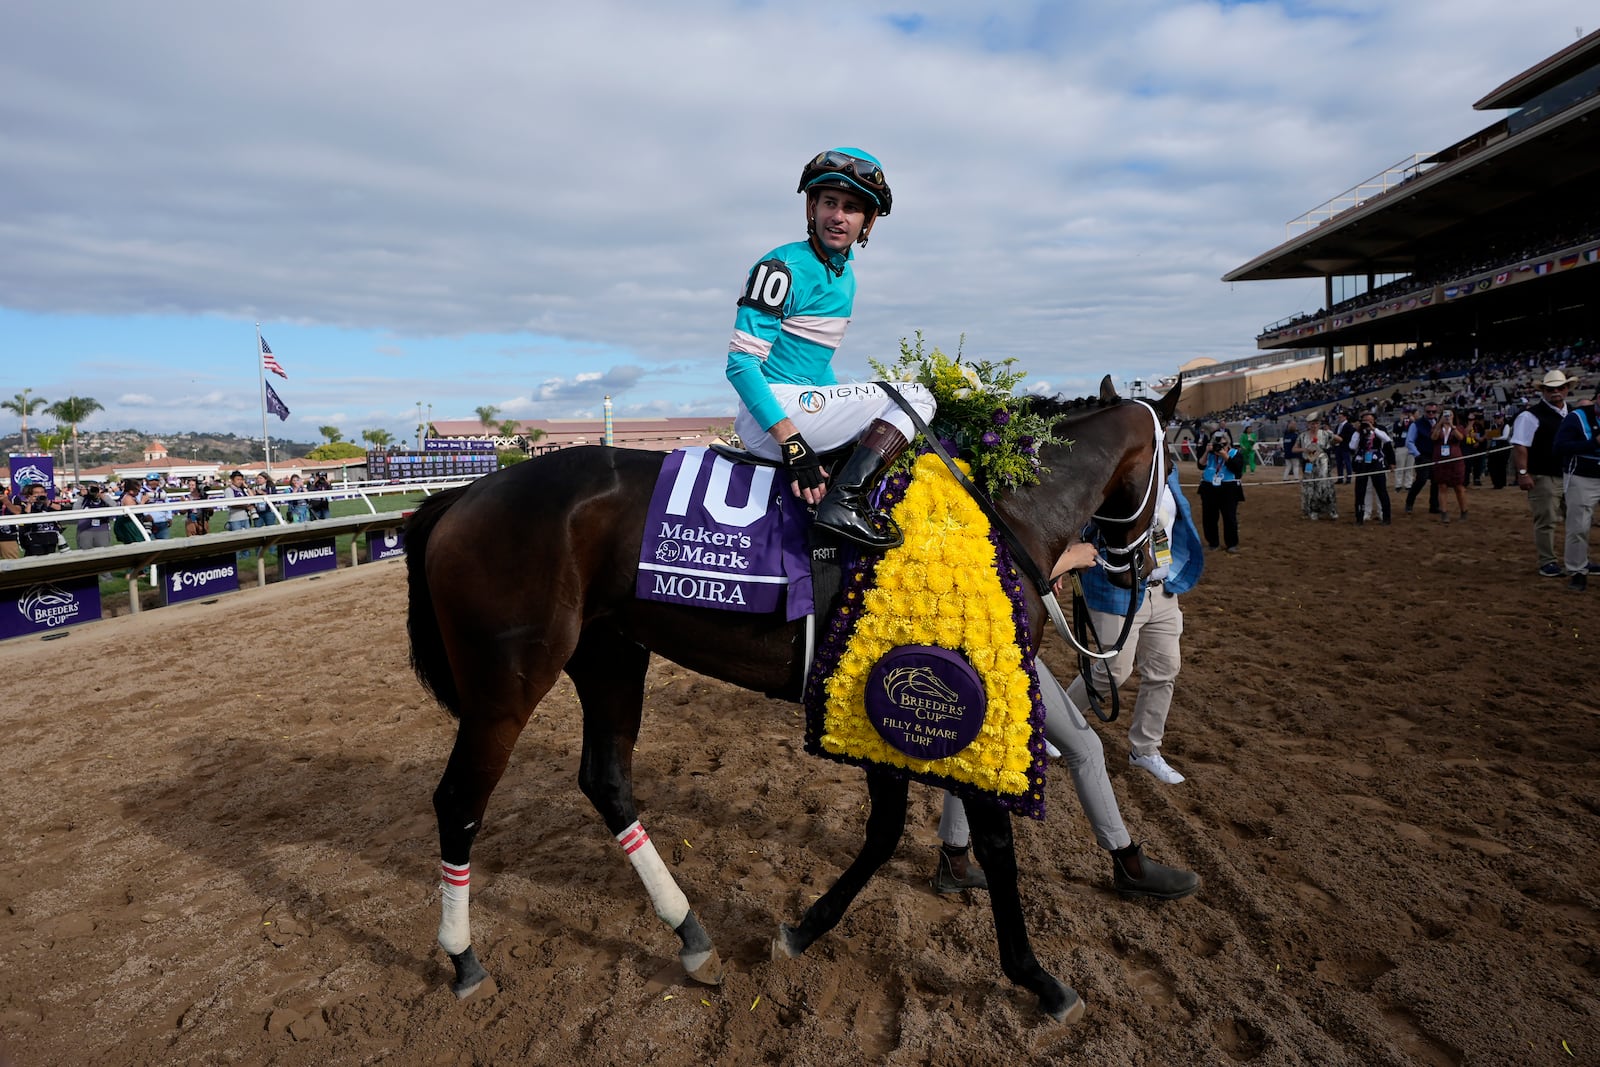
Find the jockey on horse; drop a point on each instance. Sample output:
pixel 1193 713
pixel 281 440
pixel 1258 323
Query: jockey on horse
pixel 792 315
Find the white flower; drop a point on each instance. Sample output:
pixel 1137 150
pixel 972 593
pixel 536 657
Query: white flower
pixel 971 376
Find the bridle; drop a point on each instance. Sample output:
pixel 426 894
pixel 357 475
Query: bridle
pixel 1158 477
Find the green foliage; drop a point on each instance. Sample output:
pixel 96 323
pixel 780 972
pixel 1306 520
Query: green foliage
pixel 508 428
pixel 486 414
pixel 508 456
pixel 337 450
pixel 332 434
pixel 978 414
pixel 377 438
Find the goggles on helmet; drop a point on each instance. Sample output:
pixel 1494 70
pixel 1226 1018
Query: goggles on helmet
pixel 864 175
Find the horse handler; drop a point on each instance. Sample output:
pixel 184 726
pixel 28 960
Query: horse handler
pixel 1133 874
pixel 792 316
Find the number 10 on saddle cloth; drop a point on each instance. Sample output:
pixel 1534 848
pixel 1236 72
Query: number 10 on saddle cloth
pixel 925 667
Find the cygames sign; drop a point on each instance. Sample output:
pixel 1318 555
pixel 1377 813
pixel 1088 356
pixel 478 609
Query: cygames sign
pixel 193 579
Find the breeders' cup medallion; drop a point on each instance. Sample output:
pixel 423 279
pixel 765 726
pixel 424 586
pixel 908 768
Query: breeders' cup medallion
pixel 926 701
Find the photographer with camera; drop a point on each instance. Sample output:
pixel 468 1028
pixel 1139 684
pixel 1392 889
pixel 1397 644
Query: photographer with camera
pixel 94 532
pixel 1221 467
pixel 38 538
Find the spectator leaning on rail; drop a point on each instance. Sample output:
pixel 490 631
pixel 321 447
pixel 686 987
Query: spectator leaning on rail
pixel 1533 438
pixel 154 491
pixel 94 531
pixel 792 315
pixel 239 514
pixel 38 538
pixel 1577 447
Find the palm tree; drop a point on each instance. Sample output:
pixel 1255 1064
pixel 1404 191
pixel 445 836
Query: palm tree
pixel 331 434
pixel 73 410
pixel 378 439
pixel 22 407
pixel 486 415
pixel 49 442
pixel 508 428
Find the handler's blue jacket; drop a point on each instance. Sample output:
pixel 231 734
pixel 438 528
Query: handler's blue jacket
pixel 792 315
pixel 1188 560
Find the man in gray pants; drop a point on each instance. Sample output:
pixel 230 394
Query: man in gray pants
pixel 1133 874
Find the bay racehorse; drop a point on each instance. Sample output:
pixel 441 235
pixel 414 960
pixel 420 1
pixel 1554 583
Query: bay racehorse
pixel 530 572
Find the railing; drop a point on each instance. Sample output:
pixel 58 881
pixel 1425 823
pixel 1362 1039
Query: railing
pixel 138 556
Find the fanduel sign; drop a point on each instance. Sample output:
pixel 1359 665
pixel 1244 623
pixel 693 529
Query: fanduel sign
pixel 49 606
pixel 196 578
pixel 308 557
pixel 385 544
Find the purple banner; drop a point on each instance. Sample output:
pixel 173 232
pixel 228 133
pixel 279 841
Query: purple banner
pixel 308 557
pixel 457 444
pixel 926 701
pixel 32 468
pixel 46 606
pixel 196 578
pixel 714 537
pixel 385 544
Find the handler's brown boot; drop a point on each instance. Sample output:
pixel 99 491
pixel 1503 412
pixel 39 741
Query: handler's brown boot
pixel 956 872
pixel 846 510
pixel 1136 875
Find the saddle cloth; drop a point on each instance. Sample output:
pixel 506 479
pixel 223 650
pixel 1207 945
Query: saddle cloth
pixel 726 535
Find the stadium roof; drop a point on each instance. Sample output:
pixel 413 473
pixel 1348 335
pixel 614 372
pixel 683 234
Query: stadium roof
pixel 1500 165
pixel 1547 73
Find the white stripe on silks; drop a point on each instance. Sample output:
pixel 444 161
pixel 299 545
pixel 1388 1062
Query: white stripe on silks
pixel 455 929
pixel 825 330
pixel 670 903
pixel 749 344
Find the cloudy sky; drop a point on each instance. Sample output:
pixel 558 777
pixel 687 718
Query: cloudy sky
pixel 537 205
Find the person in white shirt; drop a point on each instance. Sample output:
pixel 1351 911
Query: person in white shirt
pixel 1539 474
pixel 1370 452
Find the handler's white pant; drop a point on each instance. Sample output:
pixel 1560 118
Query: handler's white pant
pixel 831 416
pixel 1152 646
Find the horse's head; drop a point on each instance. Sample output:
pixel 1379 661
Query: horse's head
pixel 1111 475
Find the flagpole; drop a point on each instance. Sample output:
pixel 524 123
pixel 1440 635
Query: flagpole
pixel 261 371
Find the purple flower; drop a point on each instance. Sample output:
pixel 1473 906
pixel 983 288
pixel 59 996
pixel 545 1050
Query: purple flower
pixel 1025 442
pixel 990 439
pixel 1001 416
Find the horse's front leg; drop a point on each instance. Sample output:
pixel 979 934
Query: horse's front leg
pixel 885 823
pixel 608 671
pixel 991 839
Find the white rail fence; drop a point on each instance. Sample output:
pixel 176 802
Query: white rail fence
pixel 46 593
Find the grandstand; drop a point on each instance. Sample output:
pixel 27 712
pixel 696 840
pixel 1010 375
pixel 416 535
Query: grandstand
pixel 1487 249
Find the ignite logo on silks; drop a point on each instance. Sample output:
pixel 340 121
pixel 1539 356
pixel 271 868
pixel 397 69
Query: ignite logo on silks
pixel 309 557
pixel 50 605
pixel 385 544
pixel 196 578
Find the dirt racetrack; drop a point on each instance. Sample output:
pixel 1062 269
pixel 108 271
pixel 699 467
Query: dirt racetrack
pixel 221 846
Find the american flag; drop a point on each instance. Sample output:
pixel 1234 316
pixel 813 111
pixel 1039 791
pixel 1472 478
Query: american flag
pixel 270 361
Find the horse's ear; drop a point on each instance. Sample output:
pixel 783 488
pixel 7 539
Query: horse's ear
pixel 1168 404
pixel 1108 392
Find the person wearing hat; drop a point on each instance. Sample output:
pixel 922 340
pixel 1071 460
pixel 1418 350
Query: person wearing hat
pixel 154 491
pixel 1577 448
pixel 793 310
pixel 1317 499
pixel 1539 474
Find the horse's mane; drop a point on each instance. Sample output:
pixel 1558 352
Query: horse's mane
pixel 1057 409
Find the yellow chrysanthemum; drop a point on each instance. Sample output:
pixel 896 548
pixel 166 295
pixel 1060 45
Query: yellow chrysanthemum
pixel 939 588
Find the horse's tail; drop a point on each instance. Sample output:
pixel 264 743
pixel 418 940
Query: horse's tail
pixel 428 656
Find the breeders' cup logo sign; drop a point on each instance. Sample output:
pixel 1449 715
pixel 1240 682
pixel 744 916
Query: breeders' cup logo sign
pixel 926 701
pixel 309 557
pixel 385 544
pixel 24 469
pixel 50 605
pixel 196 578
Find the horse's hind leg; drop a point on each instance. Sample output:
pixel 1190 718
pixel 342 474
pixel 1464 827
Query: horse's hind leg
pixel 885 824
pixel 608 671
pixel 991 838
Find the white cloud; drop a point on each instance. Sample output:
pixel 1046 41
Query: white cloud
pixel 1071 179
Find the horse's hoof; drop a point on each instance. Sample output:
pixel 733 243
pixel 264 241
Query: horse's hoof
pixel 784 946
pixel 469 973
pixel 1063 1005
pixel 703 966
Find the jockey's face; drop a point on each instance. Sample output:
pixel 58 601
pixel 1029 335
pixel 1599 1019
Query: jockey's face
pixel 837 217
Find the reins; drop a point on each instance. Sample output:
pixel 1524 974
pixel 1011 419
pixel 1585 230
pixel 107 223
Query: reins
pixel 1041 581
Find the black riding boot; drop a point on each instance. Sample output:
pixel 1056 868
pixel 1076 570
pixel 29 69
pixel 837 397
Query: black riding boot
pixel 846 510
pixel 1136 875
pixel 956 871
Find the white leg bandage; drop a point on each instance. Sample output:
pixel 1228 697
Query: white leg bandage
pixel 670 903
pixel 455 931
